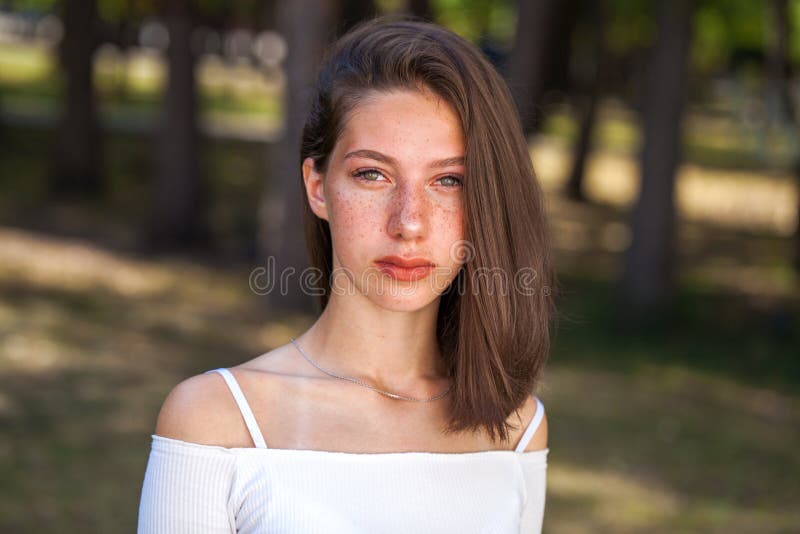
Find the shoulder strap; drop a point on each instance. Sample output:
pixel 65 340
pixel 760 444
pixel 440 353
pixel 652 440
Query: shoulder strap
pixel 532 426
pixel 244 408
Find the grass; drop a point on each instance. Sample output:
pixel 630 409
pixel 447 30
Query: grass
pixel 648 430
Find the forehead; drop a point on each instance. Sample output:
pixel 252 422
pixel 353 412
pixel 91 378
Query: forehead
pixel 403 121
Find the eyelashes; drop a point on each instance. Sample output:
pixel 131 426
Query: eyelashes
pixel 458 180
pixel 362 176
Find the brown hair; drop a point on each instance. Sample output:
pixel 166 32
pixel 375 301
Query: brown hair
pixel 494 342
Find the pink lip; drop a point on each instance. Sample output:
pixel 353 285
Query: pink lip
pixel 405 270
pixel 405 262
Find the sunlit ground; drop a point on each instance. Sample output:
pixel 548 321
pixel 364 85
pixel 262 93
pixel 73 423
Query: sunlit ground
pixel 237 100
pixel 735 226
pixel 694 427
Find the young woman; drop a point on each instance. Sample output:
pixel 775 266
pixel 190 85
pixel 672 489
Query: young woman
pixel 408 406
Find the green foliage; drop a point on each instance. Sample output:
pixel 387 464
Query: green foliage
pixel 475 18
pixel 746 21
pixel 390 6
pixel 240 11
pixel 794 37
pixel 712 43
pixel 630 25
pixel 119 10
pixel 40 6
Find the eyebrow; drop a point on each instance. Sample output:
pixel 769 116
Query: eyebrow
pixel 372 154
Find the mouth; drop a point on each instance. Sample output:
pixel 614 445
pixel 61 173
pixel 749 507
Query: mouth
pixel 406 262
pixel 405 270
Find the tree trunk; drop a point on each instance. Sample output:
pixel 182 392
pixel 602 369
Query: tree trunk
pixel 647 278
pixel 780 68
pixel 78 168
pixel 307 26
pixel 588 115
pixel 589 90
pixel 528 65
pixel 353 12
pixel 179 203
pixel 267 11
pixel 420 8
pixel 780 74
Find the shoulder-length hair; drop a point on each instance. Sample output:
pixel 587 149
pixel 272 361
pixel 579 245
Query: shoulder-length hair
pixel 493 322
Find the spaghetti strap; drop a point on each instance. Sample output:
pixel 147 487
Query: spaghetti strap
pixel 532 426
pixel 244 407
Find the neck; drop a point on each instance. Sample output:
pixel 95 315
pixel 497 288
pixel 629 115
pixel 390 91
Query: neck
pixel 391 350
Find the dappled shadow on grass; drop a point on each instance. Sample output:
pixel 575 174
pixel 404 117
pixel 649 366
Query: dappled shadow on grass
pixel 666 449
pixel 645 434
pixel 92 341
pixel 689 424
pixel 728 335
pixel 64 447
pixel 591 239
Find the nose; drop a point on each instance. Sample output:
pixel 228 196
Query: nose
pixel 409 213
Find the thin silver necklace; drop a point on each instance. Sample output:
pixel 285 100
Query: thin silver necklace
pixel 362 383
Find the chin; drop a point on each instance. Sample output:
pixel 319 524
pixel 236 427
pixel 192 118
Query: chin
pixel 409 296
pixel 404 304
pixel 392 294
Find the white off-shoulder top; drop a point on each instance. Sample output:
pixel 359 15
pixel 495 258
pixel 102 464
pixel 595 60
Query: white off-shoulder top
pixel 193 488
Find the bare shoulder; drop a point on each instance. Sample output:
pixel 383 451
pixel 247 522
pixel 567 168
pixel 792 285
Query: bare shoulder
pixel 526 413
pixel 201 409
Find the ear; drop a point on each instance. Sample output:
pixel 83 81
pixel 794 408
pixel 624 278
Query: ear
pixel 315 189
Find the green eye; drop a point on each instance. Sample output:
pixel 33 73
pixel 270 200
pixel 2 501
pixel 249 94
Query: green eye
pixel 457 181
pixel 372 175
pixel 363 175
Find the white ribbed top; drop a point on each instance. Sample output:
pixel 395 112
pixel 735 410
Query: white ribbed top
pixel 191 488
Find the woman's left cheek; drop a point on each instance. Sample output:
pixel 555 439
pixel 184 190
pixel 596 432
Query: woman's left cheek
pixel 453 221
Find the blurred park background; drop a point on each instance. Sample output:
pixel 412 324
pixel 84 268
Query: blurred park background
pixel 148 164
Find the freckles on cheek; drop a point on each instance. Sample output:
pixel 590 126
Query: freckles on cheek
pixel 453 219
pixel 355 215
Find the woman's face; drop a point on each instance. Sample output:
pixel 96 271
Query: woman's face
pixel 394 188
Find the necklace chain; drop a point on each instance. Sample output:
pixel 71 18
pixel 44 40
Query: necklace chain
pixel 362 383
